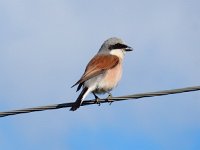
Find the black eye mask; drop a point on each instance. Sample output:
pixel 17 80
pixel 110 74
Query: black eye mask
pixel 117 46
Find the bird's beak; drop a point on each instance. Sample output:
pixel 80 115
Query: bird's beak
pixel 128 49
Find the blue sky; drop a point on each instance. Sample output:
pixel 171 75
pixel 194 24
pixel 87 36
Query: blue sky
pixel 45 46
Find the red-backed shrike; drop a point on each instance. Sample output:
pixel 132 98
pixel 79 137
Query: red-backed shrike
pixel 104 70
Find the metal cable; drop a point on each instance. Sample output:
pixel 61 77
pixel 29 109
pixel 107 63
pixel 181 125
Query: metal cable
pixel 106 100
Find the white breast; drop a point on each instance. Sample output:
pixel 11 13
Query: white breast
pixel 110 80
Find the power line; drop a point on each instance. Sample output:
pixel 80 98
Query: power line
pixel 105 100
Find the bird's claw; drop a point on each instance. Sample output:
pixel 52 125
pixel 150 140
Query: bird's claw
pixel 109 98
pixel 97 101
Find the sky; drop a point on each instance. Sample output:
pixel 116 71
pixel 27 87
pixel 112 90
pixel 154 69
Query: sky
pixel 45 46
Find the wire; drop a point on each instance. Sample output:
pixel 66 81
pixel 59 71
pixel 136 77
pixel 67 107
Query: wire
pixel 105 100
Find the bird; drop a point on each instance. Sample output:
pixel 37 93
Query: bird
pixel 103 72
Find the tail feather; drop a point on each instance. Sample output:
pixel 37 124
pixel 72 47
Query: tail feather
pixel 79 100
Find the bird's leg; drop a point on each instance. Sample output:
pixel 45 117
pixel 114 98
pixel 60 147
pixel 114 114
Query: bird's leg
pixel 109 98
pixel 97 99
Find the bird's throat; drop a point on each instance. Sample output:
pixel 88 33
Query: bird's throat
pixel 118 52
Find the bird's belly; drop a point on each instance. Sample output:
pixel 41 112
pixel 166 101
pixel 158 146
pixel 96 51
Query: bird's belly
pixel 110 80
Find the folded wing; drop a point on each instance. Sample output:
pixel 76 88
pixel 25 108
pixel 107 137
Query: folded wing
pixel 98 65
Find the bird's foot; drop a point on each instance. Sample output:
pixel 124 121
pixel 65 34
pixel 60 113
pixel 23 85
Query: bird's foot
pixel 97 99
pixel 109 98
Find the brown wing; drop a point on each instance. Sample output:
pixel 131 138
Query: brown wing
pixel 98 65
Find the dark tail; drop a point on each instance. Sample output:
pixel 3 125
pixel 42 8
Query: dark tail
pixel 79 100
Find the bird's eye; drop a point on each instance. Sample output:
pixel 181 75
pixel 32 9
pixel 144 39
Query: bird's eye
pixel 117 46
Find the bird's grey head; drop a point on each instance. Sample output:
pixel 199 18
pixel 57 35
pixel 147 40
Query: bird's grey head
pixel 114 44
